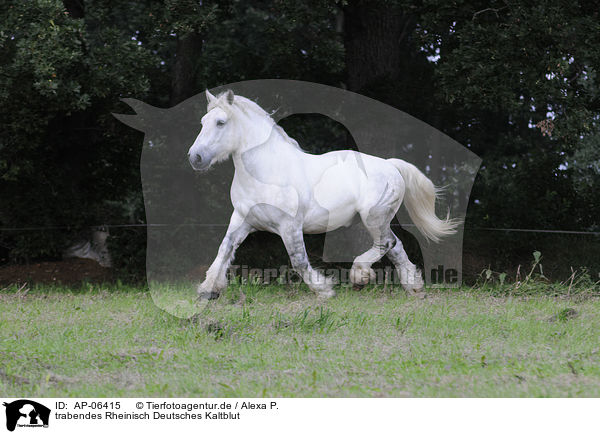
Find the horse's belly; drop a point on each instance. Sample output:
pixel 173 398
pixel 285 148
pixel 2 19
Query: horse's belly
pixel 334 200
pixel 321 220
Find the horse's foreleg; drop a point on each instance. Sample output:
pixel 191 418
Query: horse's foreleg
pixel 317 282
pixel 216 276
pixel 410 277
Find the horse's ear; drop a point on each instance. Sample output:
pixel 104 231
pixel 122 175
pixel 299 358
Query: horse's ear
pixel 210 97
pixel 229 96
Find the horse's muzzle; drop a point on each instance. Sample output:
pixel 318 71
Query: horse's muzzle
pixel 198 162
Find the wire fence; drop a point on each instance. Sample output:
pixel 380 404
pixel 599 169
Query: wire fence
pixel 147 225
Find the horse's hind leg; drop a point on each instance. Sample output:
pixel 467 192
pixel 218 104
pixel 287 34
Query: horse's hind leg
pixel 410 277
pixel 361 272
pixel 377 219
pixel 293 239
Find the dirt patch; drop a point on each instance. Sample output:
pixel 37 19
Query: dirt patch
pixel 68 272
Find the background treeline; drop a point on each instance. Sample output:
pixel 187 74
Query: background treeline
pixel 516 82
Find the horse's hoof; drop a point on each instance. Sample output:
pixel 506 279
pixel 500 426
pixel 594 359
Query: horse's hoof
pixel 361 276
pixel 357 287
pixel 212 295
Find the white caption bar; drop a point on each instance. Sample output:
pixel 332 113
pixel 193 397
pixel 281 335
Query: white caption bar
pixel 273 415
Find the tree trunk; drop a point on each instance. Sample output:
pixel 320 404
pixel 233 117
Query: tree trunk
pixel 185 70
pixel 376 39
pixel 74 8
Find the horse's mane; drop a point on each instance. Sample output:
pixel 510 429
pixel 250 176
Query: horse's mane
pixel 250 107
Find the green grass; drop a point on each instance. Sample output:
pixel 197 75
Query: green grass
pixel 273 341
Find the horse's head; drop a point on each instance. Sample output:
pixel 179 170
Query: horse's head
pixel 218 137
pixel 232 123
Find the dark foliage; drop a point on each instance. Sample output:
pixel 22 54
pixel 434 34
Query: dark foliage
pixel 515 82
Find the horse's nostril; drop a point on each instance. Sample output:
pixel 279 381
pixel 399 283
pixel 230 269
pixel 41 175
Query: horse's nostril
pixel 198 158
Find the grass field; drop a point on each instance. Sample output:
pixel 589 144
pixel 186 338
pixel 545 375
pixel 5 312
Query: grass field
pixel 102 341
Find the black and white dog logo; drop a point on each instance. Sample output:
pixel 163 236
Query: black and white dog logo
pixel 26 413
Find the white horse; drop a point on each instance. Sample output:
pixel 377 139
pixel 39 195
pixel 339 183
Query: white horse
pixel 279 188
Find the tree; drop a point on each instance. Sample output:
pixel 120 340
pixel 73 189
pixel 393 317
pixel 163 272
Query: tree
pixel 505 69
pixel 62 156
pixel 514 82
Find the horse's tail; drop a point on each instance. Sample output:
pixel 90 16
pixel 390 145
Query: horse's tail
pixel 419 200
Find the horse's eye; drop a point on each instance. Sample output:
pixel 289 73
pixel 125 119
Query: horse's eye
pixel 220 123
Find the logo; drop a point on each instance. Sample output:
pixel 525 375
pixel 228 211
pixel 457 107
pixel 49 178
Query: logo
pixel 26 413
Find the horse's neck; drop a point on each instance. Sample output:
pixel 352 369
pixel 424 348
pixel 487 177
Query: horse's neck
pixel 269 149
pixel 263 135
